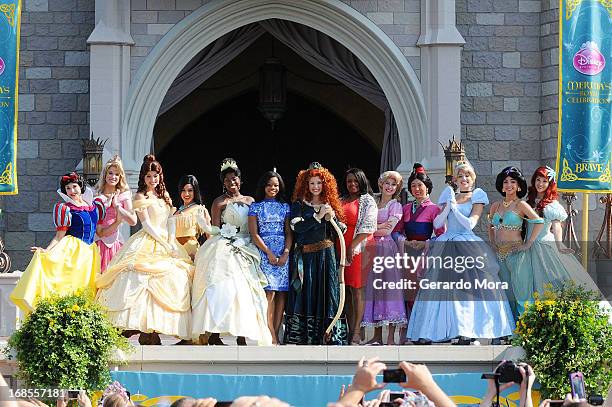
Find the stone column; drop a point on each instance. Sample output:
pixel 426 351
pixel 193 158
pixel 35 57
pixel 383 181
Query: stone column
pixel 110 44
pixel 440 44
pixel 8 311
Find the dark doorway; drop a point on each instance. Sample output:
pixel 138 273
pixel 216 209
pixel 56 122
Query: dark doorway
pixel 307 132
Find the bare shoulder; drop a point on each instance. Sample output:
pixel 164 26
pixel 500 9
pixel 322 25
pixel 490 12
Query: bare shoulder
pixel 494 207
pixel 524 206
pixel 248 199
pixel 139 196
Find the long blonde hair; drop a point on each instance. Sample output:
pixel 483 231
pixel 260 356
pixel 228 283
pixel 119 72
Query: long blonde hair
pixel 122 185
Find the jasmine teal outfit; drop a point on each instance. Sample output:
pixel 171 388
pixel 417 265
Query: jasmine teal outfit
pixel 71 264
pixel 440 315
pixel 542 264
pixel 314 291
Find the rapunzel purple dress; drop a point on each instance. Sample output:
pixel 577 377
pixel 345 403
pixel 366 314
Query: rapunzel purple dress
pixel 385 306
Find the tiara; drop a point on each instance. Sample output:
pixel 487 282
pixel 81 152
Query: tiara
pixel 551 174
pixel 315 166
pixel 228 164
pixel 114 159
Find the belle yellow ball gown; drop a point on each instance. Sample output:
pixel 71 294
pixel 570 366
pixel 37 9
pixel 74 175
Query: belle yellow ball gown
pixel 228 285
pixel 71 264
pixel 144 287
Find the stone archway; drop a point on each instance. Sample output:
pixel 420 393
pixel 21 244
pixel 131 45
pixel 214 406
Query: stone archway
pixel 218 17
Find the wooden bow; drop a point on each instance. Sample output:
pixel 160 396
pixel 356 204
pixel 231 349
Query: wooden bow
pixel 327 335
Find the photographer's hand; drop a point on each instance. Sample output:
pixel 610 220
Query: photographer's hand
pixel 488 398
pixel 525 387
pixel 83 400
pixel 364 381
pixel 419 378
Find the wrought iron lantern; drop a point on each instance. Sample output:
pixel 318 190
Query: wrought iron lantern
pixel 453 153
pixel 272 90
pixel 92 159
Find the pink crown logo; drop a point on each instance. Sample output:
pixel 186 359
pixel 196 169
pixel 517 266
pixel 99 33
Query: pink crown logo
pixel 588 60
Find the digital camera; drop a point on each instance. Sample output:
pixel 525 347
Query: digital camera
pixel 509 372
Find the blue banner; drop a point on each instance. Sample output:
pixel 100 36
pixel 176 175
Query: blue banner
pixel 161 389
pixel 10 19
pixel 584 151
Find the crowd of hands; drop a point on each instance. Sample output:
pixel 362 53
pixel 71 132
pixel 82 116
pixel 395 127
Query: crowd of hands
pixel 418 379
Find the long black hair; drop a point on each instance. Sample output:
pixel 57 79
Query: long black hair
pixel 191 179
pixel 515 174
pixel 260 192
pixel 362 180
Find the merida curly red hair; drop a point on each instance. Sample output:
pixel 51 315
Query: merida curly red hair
pixel 550 194
pixel 329 194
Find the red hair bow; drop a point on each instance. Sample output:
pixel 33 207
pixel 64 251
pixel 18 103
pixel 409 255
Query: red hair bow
pixel 420 170
pixel 73 177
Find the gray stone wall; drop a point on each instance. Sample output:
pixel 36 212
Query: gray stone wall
pixel 53 116
pixel 151 19
pixel 500 86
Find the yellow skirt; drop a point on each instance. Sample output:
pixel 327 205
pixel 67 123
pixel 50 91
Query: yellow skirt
pixel 71 265
pixel 144 288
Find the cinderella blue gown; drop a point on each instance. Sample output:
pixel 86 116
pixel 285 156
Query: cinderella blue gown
pixel 543 264
pixel 443 314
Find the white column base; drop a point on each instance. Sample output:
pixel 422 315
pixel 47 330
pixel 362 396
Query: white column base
pixel 9 313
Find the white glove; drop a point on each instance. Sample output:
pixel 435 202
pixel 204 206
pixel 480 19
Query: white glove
pixel 463 220
pixel 151 231
pixel 440 220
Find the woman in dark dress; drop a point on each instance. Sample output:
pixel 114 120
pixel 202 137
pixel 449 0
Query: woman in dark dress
pixel 314 292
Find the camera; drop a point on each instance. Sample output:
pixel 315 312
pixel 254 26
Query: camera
pixel 394 376
pixel 507 372
pixel 72 394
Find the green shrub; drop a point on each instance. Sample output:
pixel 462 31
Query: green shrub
pixel 68 343
pixel 566 331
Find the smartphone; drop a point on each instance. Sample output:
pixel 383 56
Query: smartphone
pixel 394 376
pixel 577 385
pixel 394 396
pixel 224 403
pixel 73 394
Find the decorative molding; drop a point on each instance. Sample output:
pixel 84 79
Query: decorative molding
pixel 218 17
pixel 572 5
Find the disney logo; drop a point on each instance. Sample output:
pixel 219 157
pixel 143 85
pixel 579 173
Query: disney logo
pixel 589 60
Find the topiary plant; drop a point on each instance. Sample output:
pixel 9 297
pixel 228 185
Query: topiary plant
pixel 67 343
pixel 565 331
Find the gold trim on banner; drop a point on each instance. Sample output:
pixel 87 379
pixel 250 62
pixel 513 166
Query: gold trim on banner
pixel 568 175
pixel 572 5
pixel 7 175
pixel 9 12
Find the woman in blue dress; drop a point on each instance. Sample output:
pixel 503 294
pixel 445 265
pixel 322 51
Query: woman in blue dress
pixel 450 312
pixel 506 219
pixel 271 233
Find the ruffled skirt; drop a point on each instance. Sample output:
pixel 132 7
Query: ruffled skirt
pixel 69 266
pixel 144 288
pixel 107 252
pixel 228 291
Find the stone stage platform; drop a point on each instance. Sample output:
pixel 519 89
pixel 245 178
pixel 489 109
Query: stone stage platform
pixel 300 360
